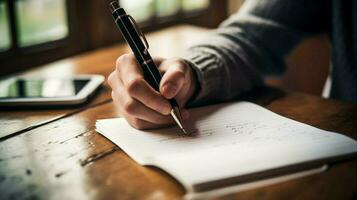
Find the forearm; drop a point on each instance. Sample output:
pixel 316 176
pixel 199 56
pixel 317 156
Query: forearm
pixel 221 76
pixel 247 46
pixel 233 60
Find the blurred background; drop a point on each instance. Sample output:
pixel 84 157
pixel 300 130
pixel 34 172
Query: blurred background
pixel 36 32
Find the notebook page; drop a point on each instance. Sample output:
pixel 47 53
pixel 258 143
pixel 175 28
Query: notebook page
pixel 230 140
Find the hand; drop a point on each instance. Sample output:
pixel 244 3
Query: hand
pixel 139 103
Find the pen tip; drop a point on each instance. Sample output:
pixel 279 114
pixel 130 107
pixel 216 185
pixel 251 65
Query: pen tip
pixel 175 112
pixel 184 131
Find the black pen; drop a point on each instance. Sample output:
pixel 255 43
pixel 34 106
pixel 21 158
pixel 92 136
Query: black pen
pixel 139 45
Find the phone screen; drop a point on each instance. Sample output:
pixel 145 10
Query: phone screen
pixel 37 88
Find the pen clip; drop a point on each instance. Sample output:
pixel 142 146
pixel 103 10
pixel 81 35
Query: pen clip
pixel 140 33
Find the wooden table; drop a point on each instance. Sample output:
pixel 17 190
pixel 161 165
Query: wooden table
pixel 57 154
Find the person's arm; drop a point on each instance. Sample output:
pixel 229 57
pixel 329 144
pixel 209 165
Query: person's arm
pixel 229 62
pixel 255 41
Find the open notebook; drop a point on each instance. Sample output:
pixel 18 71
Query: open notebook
pixel 230 144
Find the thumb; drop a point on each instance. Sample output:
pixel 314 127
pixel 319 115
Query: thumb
pixel 173 80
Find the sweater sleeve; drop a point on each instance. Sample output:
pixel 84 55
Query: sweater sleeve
pixel 251 43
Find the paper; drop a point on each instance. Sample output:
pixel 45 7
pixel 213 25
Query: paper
pixel 230 140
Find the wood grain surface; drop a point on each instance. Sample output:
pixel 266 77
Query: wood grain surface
pixel 67 159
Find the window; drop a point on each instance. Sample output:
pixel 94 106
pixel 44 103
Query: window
pixel 144 10
pixel 40 21
pixel 5 40
pixel 140 9
pixel 189 5
pixel 167 7
pixel 36 32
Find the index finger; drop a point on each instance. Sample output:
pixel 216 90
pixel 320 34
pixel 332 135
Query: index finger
pixel 132 77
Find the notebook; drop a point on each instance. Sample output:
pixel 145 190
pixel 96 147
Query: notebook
pixel 230 145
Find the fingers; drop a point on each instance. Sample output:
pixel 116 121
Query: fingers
pixel 136 110
pixel 139 89
pixel 142 125
pixel 134 98
pixel 138 102
pixel 174 77
pixel 127 67
pixel 132 78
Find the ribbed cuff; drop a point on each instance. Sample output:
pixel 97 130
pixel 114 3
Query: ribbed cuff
pixel 205 67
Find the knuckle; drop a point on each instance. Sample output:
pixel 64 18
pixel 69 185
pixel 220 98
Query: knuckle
pixel 178 60
pixel 119 64
pixel 133 85
pixel 110 79
pixel 137 123
pixel 119 61
pixel 122 60
pixel 179 66
pixel 154 102
pixel 180 73
pixel 161 120
pixel 114 97
pixel 130 106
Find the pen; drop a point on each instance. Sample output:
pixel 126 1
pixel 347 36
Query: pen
pixel 139 45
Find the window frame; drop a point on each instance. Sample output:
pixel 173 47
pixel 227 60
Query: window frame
pixel 84 35
pixel 17 57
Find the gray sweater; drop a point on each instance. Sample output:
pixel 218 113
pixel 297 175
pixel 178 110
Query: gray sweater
pixel 256 40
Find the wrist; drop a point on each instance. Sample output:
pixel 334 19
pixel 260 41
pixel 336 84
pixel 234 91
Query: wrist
pixel 195 85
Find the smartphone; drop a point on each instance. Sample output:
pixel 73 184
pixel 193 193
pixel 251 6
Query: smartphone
pixel 31 91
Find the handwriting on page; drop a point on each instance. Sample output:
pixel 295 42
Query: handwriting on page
pixel 268 132
pixel 241 126
pixel 226 133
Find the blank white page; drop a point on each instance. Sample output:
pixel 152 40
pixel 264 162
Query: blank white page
pixel 230 140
